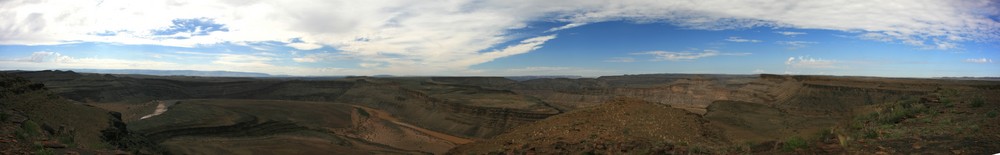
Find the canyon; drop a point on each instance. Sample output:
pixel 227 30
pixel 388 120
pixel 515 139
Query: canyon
pixel 645 114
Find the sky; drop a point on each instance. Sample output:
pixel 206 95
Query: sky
pixel 919 38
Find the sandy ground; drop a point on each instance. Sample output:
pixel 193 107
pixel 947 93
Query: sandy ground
pixel 161 107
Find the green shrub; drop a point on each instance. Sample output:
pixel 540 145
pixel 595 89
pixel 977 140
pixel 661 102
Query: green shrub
pixel 978 102
pixel 947 103
pixel 992 114
pixel 44 151
pixel 30 127
pixel 869 133
pixel 69 140
pixel 794 143
pixel 900 112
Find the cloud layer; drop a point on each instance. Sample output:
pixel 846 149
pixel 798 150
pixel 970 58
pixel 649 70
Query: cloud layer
pixel 449 36
pixel 679 56
pixel 978 60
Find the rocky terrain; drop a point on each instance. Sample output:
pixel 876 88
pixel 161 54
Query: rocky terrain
pixel 634 114
pixel 36 121
pixel 621 126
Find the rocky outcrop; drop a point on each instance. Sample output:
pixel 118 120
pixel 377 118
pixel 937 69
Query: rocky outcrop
pixel 43 115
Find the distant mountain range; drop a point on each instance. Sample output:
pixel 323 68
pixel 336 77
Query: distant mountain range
pixel 173 72
pixel 262 75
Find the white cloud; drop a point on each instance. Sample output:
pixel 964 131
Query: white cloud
pixel 789 33
pixel 538 69
pixel 978 60
pixel 620 59
pixel 544 70
pixel 370 65
pixel 317 57
pixel 304 46
pixel 677 56
pixel 45 56
pixel 405 34
pixel 741 40
pixel 567 26
pixel 759 71
pixel 795 44
pixel 228 62
pixel 808 62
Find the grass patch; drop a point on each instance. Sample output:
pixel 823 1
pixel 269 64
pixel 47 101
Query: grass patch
pixel 28 129
pixel 947 102
pixel 978 102
pixel 991 114
pixel 67 139
pixel 794 143
pixel 41 150
pixel 899 112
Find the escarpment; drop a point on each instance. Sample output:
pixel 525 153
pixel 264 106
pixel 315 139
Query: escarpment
pixel 366 115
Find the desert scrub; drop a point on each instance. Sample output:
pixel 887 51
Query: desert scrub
pixel 900 111
pixel 28 129
pixel 978 102
pixel 947 102
pixel 67 139
pixel 41 150
pixel 869 133
pixel 794 143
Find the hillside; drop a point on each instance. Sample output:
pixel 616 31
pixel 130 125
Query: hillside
pixel 37 121
pixel 621 126
pixel 757 114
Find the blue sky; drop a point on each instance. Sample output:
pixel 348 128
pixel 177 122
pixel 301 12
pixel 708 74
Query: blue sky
pixel 500 38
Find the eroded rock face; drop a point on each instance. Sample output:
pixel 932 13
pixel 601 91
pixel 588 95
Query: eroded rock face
pixel 467 111
pixel 464 110
pixel 691 92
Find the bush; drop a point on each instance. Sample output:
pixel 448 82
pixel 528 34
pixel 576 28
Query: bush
pixel 992 114
pixel 900 112
pixel 978 102
pixel 30 128
pixel 794 143
pixel 44 151
pixel 869 133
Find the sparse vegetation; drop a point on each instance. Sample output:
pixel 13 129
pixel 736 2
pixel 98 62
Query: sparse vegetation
pixel 867 119
pixel 895 113
pixel 978 102
pixel 794 143
pixel 29 128
pixel 67 139
pixel 40 150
